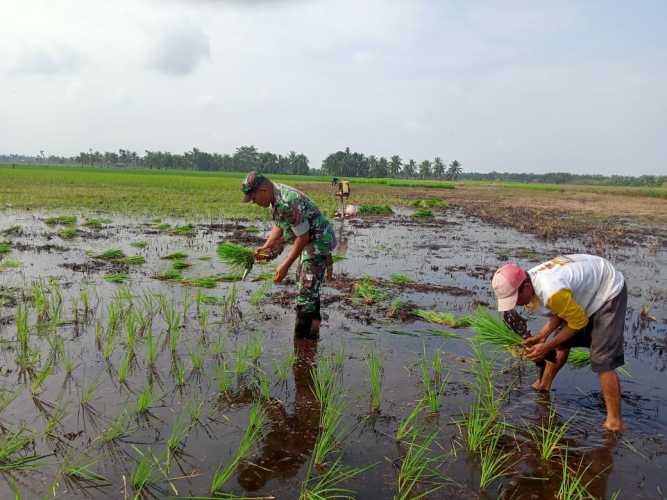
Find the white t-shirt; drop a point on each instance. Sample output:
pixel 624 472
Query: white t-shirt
pixel 591 279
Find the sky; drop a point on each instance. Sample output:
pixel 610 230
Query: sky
pixel 518 86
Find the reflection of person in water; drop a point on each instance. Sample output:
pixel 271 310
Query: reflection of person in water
pixel 291 438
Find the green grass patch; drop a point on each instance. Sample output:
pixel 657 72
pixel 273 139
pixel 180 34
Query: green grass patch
pixel 63 220
pixel 423 213
pixel 375 210
pixel 5 247
pixel 68 233
pixel 443 318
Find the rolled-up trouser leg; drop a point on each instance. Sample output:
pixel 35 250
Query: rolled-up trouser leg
pixel 310 275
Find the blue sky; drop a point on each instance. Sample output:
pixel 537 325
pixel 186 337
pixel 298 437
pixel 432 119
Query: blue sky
pixel 510 86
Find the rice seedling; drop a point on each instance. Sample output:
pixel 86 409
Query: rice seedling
pixel 88 395
pixel 12 443
pixel 259 294
pixel 231 277
pixel 186 230
pixel 68 366
pixel 549 435
pixel 366 291
pixel 132 325
pixel 573 486
pixel 5 247
pixel 63 220
pixel 493 463
pixel 338 258
pixel 40 378
pixel 124 367
pixel 251 436
pixel 146 399
pixel 68 233
pixel 139 244
pixel 241 366
pixel 491 329
pixel 176 256
pixel 375 373
pixel 430 203
pixel 407 426
pixel 579 358
pixel 282 370
pixel 327 484
pixel 152 351
pixel 179 265
pixel 401 279
pixel 169 275
pixel 416 470
pixel 163 227
pixel 197 359
pixel 178 434
pixel 111 254
pixel 96 223
pixel 82 471
pixel 202 282
pixel 135 260
pixel 109 345
pixel 422 213
pixel 179 372
pixel 262 383
pixel 9 264
pixel 218 347
pixel 222 378
pixel 118 278
pixel 236 256
pixel 202 319
pixel 146 473
pixel 433 381
pixel 443 318
pixel 119 428
pixel 375 210
pixel 255 348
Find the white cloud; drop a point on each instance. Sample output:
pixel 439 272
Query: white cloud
pixel 48 60
pixel 180 50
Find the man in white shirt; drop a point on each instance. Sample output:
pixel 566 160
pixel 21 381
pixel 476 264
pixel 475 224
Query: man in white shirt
pixel 587 300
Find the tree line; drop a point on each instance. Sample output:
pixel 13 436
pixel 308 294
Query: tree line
pixel 343 163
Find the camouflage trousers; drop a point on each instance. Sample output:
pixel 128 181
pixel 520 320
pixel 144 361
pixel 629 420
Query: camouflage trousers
pixel 310 275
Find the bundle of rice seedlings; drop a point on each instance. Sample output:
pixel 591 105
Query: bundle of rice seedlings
pixel 180 265
pixel 491 329
pixel 96 223
pixel 176 256
pixel 401 279
pixel 203 282
pixel 186 230
pixel 443 318
pixel 65 220
pixel 135 260
pixel 5 247
pixel 116 277
pixel 230 277
pixel 375 210
pixel 139 244
pixel 163 227
pixel 236 256
pixel 111 254
pixel 423 213
pixel 169 275
pixel 579 358
pixel 68 233
pixel 367 291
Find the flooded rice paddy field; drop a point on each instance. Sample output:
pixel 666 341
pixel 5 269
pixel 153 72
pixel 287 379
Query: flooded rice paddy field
pixel 111 390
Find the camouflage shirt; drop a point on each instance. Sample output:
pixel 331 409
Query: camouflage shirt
pixel 294 212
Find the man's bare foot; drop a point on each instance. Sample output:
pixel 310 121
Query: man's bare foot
pixel 539 387
pixel 614 425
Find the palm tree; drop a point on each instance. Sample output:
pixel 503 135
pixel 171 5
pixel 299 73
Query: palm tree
pixel 395 164
pixel 438 168
pixel 425 169
pixel 454 170
pixel 410 168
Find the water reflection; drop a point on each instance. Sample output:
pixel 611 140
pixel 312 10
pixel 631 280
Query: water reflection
pixel 291 437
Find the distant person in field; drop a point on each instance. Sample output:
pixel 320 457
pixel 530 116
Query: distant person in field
pixel 296 216
pixel 586 299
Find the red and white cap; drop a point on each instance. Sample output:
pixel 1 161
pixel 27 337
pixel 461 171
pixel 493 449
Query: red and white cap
pixel 506 283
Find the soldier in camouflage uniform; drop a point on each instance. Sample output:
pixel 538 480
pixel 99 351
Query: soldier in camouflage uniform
pixel 295 215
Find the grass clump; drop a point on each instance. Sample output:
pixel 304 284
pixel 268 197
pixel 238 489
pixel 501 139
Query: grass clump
pixel 63 220
pixel 366 291
pixel 68 233
pixel 375 210
pixel 187 230
pixel 118 278
pixel 236 256
pixel 96 223
pixel 401 279
pixel 443 318
pixel 423 213
pixel 111 254
pixel 176 256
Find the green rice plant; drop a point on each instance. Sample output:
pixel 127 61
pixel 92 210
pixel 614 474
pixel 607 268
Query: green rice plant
pixel 255 348
pixel 433 381
pixel 64 220
pixel 174 336
pixel 179 265
pixel 187 230
pixel 262 383
pixel 179 372
pixel 549 435
pixel 132 326
pixel 111 254
pixel 146 399
pixel 5 247
pixel 259 294
pixel 236 256
pixel 241 366
pixel 152 351
pixel 197 358
pixel 375 373
pixel 416 470
pixel 406 427
pixel 119 428
pixel 9 264
pixel 179 433
pixel 118 278
pixel 146 473
pixel 491 329
pixel 375 210
pixel 282 369
pixel 443 318
pixel 338 258
pixel 328 391
pixel 87 395
pixel 135 260
pixel 109 345
pixel 176 256
pixel 139 244
pixel 163 227
pixel 210 300
pixel 230 277
pixel 84 295
pixel 124 367
pixel 25 356
pixel 494 464
pixel 573 485
pixel 40 378
pixel 366 291
pixel 326 485
pixel 202 282
pixel 251 436
pixel 95 223
pixel 401 279
pixel 222 378
pixel 202 319
pixel 69 365
pixel 579 358
pixel 12 444
pixel 169 275
pixel 218 347
pixel 81 471
pixel 68 233
pixel 423 213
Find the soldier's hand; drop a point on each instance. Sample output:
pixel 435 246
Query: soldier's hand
pixel 281 272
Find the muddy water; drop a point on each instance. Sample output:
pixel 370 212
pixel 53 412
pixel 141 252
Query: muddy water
pixel 454 254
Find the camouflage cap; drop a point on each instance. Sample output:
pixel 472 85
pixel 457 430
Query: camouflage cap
pixel 252 181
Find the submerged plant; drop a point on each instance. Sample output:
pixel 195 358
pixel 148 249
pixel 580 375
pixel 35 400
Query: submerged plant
pixel 236 256
pixel 433 381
